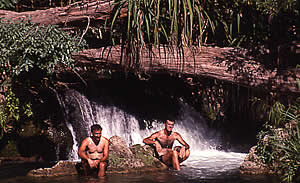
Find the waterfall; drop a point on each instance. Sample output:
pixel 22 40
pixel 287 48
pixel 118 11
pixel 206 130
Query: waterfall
pixel 82 113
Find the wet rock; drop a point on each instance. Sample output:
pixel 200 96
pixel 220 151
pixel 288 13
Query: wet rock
pixel 118 145
pixel 253 165
pixel 60 169
pixel 122 159
pixel 61 136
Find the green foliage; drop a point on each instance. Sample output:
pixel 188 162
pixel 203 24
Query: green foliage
pixel 239 23
pixel 11 111
pixel 152 23
pixel 26 46
pixel 7 4
pixel 10 150
pixel 277 115
pixel 279 148
pixel 273 7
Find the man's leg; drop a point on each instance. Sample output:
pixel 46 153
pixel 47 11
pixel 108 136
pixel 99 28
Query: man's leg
pixel 175 160
pixel 171 159
pixel 101 169
pixel 85 166
pixel 187 154
pixel 167 158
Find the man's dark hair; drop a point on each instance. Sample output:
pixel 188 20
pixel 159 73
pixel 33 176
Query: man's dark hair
pixel 170 120
pixel 96 127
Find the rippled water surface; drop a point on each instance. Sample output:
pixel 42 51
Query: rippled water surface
pixel 203 166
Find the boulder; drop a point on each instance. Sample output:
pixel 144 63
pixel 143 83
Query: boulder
pixel 118 145
pixel 253 165
pixel 59 169
pixel 122 159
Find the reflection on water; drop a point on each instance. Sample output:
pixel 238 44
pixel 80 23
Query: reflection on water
pixel 212 163
pixel 209 166
pixel 168 176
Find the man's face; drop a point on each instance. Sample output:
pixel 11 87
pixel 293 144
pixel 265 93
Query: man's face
pixel 169 125
pixel 97 134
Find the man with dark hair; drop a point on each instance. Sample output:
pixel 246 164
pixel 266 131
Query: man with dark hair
pixel 94 151
pixel 164 140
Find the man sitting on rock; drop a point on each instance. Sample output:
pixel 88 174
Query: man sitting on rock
pixel 163 141
pixel 94 151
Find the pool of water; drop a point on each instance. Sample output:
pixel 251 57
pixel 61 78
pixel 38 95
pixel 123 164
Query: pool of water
pixel 204 166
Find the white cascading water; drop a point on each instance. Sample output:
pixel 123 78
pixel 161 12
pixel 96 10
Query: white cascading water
pixel 115 121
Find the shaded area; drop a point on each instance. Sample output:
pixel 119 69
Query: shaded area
pixel 156 98
pixel 20 169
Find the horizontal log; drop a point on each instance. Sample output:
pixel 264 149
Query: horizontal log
pixel 227 64
pixel 96 10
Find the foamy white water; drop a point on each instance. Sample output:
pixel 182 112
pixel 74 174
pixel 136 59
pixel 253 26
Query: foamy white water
pixel 211 163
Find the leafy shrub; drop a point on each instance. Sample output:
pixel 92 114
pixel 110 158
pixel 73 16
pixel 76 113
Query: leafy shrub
pixel 27 48
pixel 11 111
pixel 7 4
pixel 279 148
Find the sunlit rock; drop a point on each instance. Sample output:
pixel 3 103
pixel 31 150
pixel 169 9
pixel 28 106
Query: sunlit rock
pixel 122 159
pixel 59 169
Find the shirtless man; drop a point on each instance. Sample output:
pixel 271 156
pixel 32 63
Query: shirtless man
pixel 94 151
pixel 163 141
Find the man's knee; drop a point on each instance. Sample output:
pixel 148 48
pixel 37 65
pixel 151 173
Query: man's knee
pixel 175 154
pixel 187 153
pixel 102 165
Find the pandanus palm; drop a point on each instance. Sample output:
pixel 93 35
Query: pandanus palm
pixel 153 23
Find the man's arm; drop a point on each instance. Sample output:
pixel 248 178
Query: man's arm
pixel 181 141
pixel 105 151
pixel 81 151
pixel 151 140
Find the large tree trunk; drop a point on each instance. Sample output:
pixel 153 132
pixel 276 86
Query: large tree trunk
pixel 227 64
pixel 68 17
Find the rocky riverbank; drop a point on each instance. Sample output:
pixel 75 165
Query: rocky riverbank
pixel 122 159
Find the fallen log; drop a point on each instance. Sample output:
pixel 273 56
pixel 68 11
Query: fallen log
pixel 67 17
pixel 227 64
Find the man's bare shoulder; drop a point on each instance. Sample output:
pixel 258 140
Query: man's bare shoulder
pixel 160 132
pixel 85 141
pixel 176 134
pixel 105 139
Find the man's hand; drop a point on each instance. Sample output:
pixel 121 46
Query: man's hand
pixel 92 163
pixel 158 148
pixel 182 152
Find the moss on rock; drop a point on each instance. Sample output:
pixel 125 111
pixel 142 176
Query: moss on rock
pixel 10 150
pixel 29 129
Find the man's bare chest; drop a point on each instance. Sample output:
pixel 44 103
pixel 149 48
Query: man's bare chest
pixel 166 141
